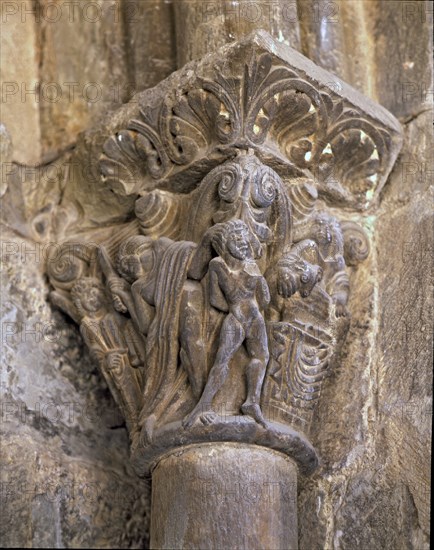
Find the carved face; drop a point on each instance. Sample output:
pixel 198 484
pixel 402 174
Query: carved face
pixel 147 261
pixel 134 266
pixel 93 300
pixel 88 296
pixel 135 257
pixel 130 267
pixel 238 244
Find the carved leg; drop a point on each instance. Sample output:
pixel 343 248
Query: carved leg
pixel 231 337
pixel 193 351
pixel 255 378
pixel 257 348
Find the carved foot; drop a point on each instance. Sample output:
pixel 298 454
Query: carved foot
pixel 254 411
pixel 208 418
pixel 191 418
pixel 205 417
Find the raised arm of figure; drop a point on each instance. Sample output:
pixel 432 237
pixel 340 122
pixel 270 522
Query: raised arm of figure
pixel 201 258
pixel 217 297
pixel 116 284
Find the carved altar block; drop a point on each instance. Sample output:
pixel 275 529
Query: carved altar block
pixel 216 310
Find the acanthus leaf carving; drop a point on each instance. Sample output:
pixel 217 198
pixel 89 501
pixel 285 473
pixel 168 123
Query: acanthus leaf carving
pixel 261 103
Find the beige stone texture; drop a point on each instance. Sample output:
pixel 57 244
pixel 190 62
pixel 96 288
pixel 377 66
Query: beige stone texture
pixel 19 77
pixel 373 424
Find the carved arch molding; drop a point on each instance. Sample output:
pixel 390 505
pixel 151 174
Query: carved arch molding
pixel 218 308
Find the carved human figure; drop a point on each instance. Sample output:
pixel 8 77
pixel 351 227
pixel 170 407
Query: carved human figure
pixel 325 231
pixel 305 325
pixel 137 263
pixel 295 271
pixel 139 259
pixel 243 188
pixel 166 308
pixel 112 341
pixel 237 288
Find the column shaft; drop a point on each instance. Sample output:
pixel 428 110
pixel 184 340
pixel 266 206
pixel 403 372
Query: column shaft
pixel 224 495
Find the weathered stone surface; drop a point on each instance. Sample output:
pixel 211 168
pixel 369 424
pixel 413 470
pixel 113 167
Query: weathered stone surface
pixel 150 41
pixel 19 78
pixel 73 96
pixel 207 26
pixel 383 48
pixel 405 378
pixel 6 157
pixel 251 289
pixel 322 31
pixel 373 488
pixel 77 61
pixel 30 205
pixel 52 498
pixel 154 115
pixel 402 42
pixel 224 496
pixel 65 477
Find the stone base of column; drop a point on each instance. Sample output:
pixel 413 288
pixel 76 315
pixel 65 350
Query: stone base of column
pixel 224 495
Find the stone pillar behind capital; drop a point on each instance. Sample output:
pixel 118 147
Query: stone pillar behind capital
pixel 203 26
pixel 224 495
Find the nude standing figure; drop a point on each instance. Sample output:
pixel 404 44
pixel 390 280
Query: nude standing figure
pixel 238 288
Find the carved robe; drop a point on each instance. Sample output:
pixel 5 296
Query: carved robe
pixel 111 335
pixel 165 377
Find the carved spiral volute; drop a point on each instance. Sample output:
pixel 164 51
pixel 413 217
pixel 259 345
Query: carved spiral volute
pixel 69 263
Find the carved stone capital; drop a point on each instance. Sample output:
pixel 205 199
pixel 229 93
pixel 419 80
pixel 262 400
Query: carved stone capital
pixel 217 308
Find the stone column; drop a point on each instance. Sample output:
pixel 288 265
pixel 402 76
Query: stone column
pixel 201 495
pixel 204 26
pixel 224 495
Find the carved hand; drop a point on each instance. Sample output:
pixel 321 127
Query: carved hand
pixel 341 308
pixel 284 282
pixel 115 360
pixel 117 288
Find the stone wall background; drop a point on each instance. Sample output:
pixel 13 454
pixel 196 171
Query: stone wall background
pixel 65 477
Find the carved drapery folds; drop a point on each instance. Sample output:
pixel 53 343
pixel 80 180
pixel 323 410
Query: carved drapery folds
pixel 216 313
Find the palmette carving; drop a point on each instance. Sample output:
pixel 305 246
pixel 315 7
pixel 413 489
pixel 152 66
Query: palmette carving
pixel 257 104
pixel 216 314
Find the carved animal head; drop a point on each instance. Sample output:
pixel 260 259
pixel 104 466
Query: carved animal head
pixel 246 189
